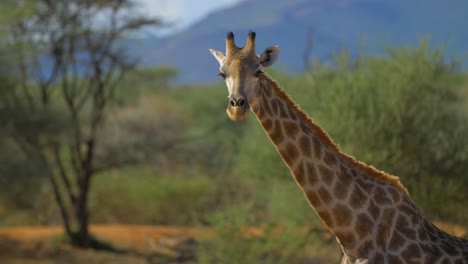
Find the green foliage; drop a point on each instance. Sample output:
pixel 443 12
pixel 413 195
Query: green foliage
pixel 402 113
pixel 12 12
pixel 143 81
pixel 236 240
pixel 17 185
pixel 136 196
pixel 263 225
pixel 142 132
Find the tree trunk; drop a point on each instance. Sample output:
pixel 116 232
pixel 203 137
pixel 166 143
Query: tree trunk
pixel 82 238
pixel 62 209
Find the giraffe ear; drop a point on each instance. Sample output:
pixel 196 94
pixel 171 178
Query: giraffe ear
pixel 219 56
pixel 269 56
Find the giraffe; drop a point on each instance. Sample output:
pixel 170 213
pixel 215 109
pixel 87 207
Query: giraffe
pixel 368 211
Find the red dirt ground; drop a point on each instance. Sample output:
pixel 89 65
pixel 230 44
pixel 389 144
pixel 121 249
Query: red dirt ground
pixel 32 245
pixel 40 245
pixel 130 237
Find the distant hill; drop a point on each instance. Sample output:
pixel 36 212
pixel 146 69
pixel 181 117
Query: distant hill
pixel 336 24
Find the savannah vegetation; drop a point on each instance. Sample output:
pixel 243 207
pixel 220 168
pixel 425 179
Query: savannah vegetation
pixel 103 141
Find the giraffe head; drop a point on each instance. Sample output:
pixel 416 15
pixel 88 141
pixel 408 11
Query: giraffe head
pixel 241 69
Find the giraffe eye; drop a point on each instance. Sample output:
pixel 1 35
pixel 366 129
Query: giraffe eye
pixel 222 75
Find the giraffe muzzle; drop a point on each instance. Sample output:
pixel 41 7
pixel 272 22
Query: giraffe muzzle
pixel 237 102
pixel 238 109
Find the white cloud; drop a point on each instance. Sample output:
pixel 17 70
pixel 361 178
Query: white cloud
pixel 182 13
pixel 169 10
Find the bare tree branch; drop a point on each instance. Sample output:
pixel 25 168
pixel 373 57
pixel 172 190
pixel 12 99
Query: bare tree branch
pixel 63 173
pixel 168 145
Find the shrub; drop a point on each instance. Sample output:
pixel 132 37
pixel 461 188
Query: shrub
pixel 404 114
pixel 137 196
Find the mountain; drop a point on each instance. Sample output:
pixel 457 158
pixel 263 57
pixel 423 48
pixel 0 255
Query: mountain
pixel 336 25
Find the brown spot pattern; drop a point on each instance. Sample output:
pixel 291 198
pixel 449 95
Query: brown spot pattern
pixel 364 225
pixel 274 106
pixel 411 251
pixel 382 236
pixel 255 109
pixel 330 159
pixel 282 110
pixel 364 182
pixel 406 209
pixel 304 145
pixel 267 92
pixel 343 216
pixel 260 112
pixel 313 198
pixel 292 115
pixel 373 209
pixel 394 194
pixel 291 129
pixel 394 259
pixel 432 254
pixel 326 174
pixel 324 195
pixel 396 241
pixel 267 124
pixel 340 190
pixel 445 261
pixel 277 133
pixel 346 238
pixel 383 230
pixel 405 228
pixel 312 174
pixel 266 107
pixel 290 154
pixel 449 249
pixel 357 198
pixel 299 174
pixel 317 148
pixel 380 196
pixel 378 258
pixel 305 128
pixel 422 236
pixel 345 177
pixel 325 216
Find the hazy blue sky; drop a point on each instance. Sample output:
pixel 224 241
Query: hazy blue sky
pixel 182 12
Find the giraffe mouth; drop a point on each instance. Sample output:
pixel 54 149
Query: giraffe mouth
pixel 238 113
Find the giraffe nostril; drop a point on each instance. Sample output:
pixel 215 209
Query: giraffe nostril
pixel 232 102
pixel 241 102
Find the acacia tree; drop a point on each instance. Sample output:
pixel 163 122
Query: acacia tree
pixel 66 60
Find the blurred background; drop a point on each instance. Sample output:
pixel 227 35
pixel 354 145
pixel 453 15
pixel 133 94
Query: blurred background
pixel 116 148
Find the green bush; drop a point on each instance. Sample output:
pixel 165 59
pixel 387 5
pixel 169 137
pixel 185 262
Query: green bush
pixel 138 196
pixel 404 114
pixel 235 242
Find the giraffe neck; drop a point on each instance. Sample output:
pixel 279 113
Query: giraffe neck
pixel 355 201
